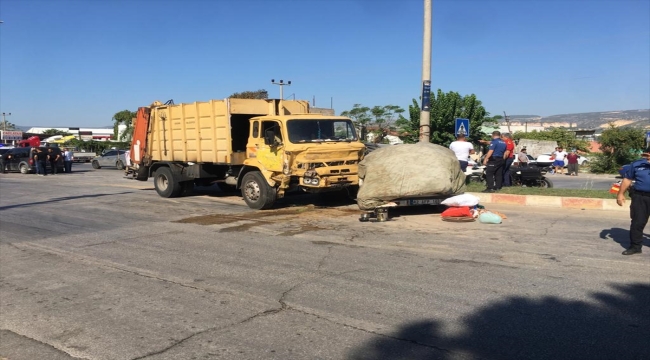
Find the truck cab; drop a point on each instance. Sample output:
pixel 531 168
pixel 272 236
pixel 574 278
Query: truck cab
pixel 308 151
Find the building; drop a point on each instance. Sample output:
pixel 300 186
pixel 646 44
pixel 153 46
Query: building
pixel 100 134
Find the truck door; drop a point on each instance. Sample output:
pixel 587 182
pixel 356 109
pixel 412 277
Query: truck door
pixel 270 156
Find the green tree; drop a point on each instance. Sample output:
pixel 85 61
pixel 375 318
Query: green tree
pixel 564 137
pixel 360 117
pixel 6 125
pixel 445 108
pixel 53 132
pixel 619 146
pixel 258 94
pixel 123 117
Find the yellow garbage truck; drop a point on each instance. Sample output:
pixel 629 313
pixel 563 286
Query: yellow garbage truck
pixel 264 147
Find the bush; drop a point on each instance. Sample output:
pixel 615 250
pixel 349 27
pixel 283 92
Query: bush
pixel 603 164
pixel 620 146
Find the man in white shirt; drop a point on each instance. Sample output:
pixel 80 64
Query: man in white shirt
pixel 558 164
pixel 462 149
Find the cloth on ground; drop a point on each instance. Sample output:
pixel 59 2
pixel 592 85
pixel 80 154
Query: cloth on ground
pixel 462 211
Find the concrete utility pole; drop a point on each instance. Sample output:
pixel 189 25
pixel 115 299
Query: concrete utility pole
pixel 425 125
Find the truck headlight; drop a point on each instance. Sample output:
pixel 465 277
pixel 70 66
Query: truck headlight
pixel 315 181
pixel 306 181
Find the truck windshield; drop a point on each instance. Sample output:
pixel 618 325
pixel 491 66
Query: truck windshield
pixel 317 130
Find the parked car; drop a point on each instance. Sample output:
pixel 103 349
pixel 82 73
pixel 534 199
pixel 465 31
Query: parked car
pixel 545 160
pixel 110 158
pixel 531 160
pixel 22 160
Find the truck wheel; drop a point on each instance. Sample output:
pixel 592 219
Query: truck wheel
pixel 256 191
pixel 165 183
pixel 24 169
pixel 119 165
pixel 96 165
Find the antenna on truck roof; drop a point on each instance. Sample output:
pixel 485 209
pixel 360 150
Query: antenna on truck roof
pixel 170 102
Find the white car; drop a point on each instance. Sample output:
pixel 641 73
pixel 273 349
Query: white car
pixel 531 160
pixel 545 160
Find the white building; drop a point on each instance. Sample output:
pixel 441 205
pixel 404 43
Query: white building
pixel 101 134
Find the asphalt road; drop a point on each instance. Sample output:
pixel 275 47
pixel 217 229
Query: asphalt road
pixel 94 266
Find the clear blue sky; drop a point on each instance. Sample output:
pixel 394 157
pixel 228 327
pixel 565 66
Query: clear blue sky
pixel 76 63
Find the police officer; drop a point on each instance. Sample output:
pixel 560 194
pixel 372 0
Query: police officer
pixel 494 162
pixel 639 171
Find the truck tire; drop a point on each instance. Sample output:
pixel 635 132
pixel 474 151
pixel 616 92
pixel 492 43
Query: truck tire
pixel 256 191
pixel 166 185
pixel 119 165
pixel 96 165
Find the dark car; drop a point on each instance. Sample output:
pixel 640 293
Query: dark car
pixel 22 160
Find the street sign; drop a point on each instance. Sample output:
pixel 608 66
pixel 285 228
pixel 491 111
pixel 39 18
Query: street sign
pixel 647 139
pixel 462 127
pixel 426 95
pixel 11 135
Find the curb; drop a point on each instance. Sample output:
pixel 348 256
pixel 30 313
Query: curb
pixel 553 201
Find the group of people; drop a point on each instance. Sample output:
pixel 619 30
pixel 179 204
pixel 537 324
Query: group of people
pixel 52 156
pixel 558 157
pixel 498 160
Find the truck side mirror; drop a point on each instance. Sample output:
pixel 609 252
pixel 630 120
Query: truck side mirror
pixel 269 137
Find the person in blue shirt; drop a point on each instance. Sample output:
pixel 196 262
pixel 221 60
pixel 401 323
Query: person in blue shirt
pixel 494 162
pixel 639 172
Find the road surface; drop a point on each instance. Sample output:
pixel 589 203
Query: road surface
pixel 94 266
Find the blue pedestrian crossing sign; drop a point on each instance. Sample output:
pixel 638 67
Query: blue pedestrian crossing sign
pixel 462 127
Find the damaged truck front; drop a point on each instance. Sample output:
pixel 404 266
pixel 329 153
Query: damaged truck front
pixel 265 148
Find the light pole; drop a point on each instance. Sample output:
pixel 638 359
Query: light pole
pixel 282 84
pixel 425 115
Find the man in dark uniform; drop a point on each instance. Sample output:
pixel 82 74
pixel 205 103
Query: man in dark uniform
pixel 639 171
pixel 494 162
pixel 4 161
pixel 53 156
pixel 40 156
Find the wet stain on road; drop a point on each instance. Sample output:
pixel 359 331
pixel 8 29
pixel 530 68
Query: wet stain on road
pixel 303 212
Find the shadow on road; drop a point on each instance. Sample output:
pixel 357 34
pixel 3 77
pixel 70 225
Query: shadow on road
pixel 621 236
pixel 609 326
pixel 64 198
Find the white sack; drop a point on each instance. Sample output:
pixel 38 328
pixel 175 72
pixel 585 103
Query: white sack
pixel 409 171
pixel 462 200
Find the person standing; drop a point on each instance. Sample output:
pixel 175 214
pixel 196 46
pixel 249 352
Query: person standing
pixel 40 158
pixel 53 157
pixel 4 161
pixel 558 163
pixel 522 157
pixel 494 161
pixel 67 161
pixel 572 158
pixel 639 172
pixel 509 158
pixel 462 149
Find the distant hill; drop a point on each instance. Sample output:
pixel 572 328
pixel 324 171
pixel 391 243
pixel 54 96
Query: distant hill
pixel 592 120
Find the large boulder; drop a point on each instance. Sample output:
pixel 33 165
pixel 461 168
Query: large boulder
pixel 408 171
